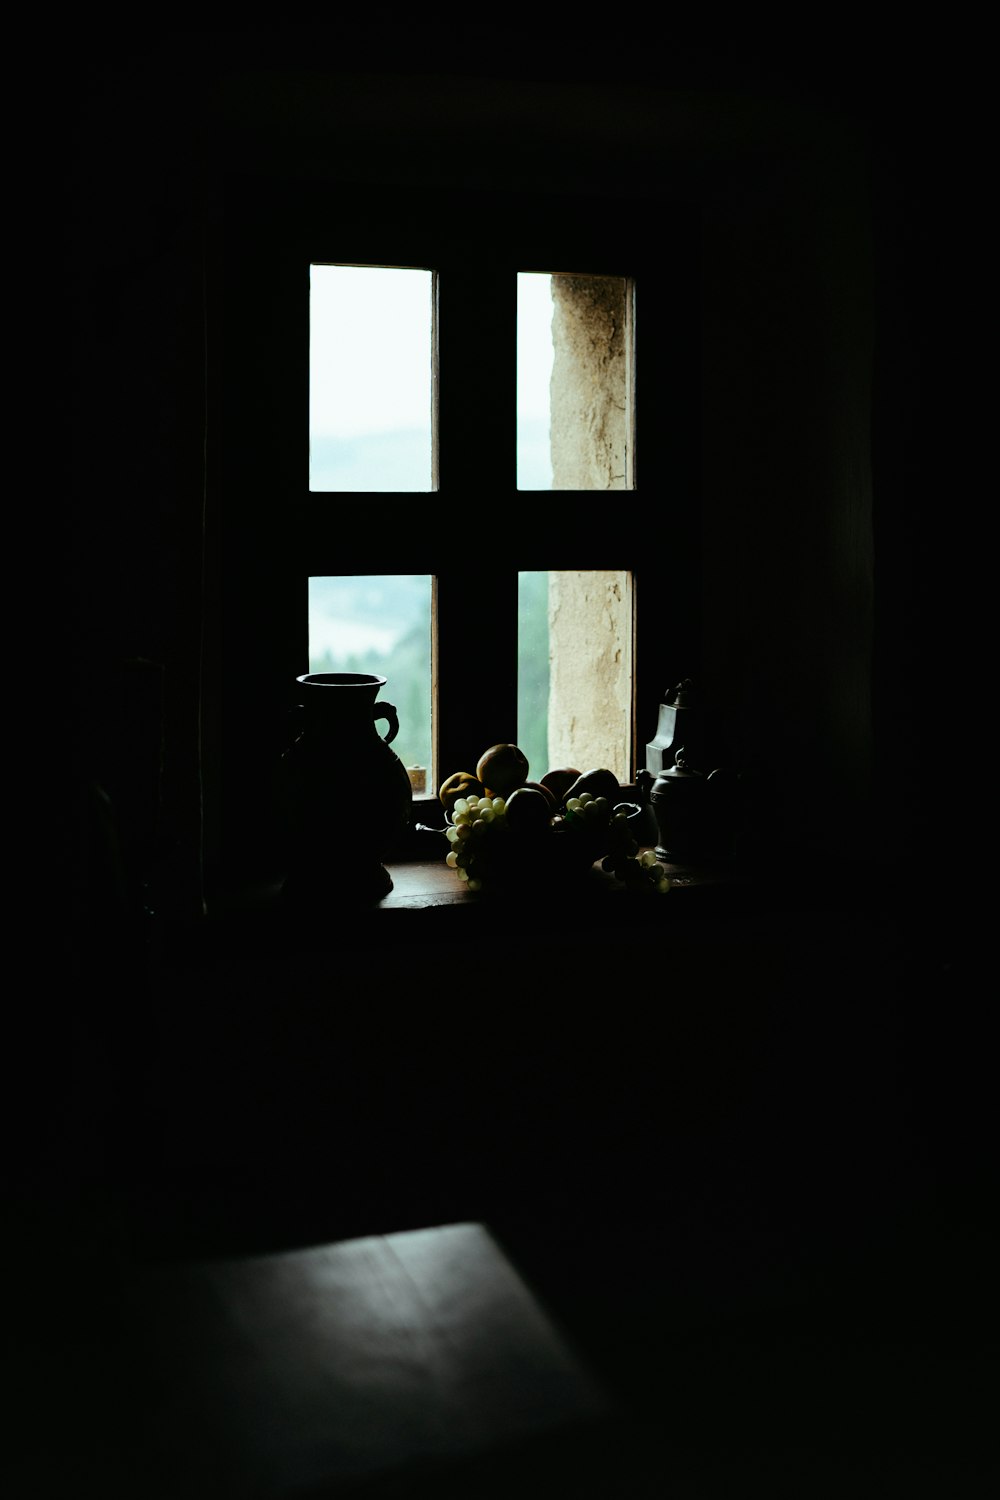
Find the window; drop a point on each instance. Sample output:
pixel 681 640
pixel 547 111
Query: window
pixel 371 404
pixel 574 670
pixel 574 386
pixel 370 378
pixel 479 527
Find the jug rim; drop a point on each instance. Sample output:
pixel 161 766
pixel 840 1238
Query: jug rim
pixel 341 679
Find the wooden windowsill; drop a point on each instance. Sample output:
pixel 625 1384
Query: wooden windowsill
pixel 428 905
pixel 422 883
pixel 427 883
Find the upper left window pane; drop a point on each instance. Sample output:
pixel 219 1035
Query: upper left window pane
pixel 370 378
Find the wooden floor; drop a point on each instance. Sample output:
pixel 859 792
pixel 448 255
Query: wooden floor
pixel 853 1393
pixel 736 1160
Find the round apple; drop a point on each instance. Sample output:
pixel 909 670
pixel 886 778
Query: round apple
pixel 501 769
pixel 528 810
pixel 460 784
pixel 539 786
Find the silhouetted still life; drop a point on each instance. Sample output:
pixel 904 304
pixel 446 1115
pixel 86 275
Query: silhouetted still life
pixel 504 828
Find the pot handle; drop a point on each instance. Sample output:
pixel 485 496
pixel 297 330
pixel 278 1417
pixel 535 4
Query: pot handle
pixel 387 711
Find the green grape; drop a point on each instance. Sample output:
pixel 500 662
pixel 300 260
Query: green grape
pixel 451 860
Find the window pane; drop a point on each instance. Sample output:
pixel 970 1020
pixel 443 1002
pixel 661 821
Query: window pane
pixel 370 361
pixel 574 663
pixel 534 372
pixel 380 623
pixel 573 382
pixel 533 671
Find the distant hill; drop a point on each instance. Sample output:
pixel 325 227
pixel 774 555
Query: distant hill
pixel 383 605
pixel 402 461
pixel 382 461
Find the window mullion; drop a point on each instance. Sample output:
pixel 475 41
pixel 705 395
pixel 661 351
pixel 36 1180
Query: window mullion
pixel 477 395
pixel 474 508
pixel 475 662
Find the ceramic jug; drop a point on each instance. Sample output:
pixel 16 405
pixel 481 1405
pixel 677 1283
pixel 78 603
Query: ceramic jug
pixel 346 795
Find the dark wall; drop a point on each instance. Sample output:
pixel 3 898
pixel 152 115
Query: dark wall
pixel 135 260
pixel 807 277
pixel 788 347
pixel 819 545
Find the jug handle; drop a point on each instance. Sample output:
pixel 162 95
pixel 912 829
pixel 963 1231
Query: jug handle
pixel 387 711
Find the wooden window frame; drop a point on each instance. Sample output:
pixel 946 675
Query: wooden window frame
pixel 276 533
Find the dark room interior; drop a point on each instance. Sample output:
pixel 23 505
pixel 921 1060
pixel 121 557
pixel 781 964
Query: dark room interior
pixel 731 1145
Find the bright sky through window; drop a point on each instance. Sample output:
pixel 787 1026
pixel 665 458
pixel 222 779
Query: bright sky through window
pixel 370 331
pixel 534 373
pixel 370 342
pixel 370 349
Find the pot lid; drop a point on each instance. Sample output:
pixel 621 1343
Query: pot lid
pixel 680 771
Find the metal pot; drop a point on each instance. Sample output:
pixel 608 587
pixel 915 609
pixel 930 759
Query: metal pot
pixel 695 811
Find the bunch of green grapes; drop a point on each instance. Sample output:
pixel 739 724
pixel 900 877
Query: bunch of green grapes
pixel 476 826
pixel 640 871
pixel 482 844
pixel 588 814
pixel 584 828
